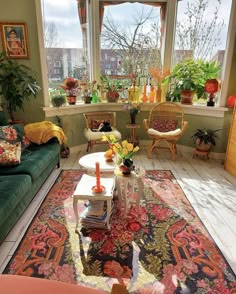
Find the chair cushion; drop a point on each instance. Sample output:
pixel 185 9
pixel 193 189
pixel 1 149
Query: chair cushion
pixel 164 134
pixel 164 125
pixel 94 136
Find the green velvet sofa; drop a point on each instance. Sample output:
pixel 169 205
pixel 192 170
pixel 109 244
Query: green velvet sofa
pixel 19 184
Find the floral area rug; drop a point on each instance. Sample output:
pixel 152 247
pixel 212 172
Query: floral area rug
pixel 164 249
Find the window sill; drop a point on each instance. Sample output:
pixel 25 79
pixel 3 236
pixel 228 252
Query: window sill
pixel 195 109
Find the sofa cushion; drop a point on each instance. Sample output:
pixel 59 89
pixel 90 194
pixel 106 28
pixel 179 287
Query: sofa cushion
pixel 10 154
pixel 12 191
pixel 34 160
pixel 13 134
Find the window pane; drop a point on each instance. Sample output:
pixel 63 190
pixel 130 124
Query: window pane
pixel 201 30
pixel 130 40
pixel 63 41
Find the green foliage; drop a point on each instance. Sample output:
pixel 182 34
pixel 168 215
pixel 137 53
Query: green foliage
pixel 58 100
pixel 17 84
pixel 111 84
pixel 207 136
pixel 190 75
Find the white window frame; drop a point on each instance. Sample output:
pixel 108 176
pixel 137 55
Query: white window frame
pixel 94 45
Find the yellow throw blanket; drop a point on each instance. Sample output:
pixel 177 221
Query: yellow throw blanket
pixel 42 132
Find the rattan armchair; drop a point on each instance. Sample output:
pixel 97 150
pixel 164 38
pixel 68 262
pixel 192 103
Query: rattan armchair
pixel 93 121
pixel 165 126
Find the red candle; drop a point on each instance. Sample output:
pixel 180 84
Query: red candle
pixel 98 176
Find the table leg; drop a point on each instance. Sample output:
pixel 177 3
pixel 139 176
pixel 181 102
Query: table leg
pixel 133 137
pixel 140 188
pixel 75 207
pixel 108 213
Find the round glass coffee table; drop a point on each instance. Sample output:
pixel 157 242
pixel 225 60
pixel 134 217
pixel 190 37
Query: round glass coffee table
pixel 88 161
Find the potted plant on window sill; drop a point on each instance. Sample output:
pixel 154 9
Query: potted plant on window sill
pixel 71 87
pixel 185 79
pixel 189 77
pixel 17 84
pixel 111 87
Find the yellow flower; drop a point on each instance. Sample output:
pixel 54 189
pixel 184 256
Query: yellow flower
pixel 104 138
pixel 110 139
pixel 129 146
pixel 124 143
pixel 136 149
pixel 124 151
pixel 117 145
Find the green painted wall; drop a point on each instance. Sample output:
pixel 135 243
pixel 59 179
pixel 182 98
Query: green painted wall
pixel 74 126
pixel 24 11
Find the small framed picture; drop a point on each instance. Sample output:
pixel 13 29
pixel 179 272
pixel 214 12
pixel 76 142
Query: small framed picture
pixel 14 39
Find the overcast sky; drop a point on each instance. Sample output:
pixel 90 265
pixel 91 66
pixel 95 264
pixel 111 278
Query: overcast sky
pixel 64 14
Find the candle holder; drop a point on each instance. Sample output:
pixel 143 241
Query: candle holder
pixel 98 189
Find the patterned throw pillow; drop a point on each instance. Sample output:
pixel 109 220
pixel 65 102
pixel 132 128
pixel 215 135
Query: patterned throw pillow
pixel 95 123
pixel 164 125
pixel 10 154
pixel 13 134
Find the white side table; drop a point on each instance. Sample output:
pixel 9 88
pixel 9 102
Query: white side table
pixel 84 191
pixel 88 161
pixel 125 182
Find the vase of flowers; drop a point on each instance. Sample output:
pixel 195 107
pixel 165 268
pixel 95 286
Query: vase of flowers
pixel 133 108
pixel 125 151
pixel 71 87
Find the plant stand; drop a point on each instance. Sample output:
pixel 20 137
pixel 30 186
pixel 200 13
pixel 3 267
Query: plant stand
pixel 202 153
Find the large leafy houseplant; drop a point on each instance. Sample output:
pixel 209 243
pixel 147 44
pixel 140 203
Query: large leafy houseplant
pixel 190 75
pixel 17 84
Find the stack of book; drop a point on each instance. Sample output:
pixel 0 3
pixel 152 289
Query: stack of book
pixel 95 215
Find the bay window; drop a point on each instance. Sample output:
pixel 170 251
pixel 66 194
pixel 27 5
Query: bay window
pixel 122 37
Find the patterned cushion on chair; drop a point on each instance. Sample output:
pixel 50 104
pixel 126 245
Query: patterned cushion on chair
pixel 164 125
pixel 95 123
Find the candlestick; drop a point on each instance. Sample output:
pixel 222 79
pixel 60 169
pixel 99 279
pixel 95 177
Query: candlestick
pixel 98 175
pixel 98 188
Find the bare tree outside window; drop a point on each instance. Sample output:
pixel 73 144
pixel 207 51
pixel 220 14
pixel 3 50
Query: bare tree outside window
pixel 136 42
pixel 198 32
pixel 51 38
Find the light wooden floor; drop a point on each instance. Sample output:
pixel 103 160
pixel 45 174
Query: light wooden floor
pixel 210 189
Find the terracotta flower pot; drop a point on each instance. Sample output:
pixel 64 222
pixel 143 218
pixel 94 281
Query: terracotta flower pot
pixel 202 146
pixel 71 100
pixel 187 97
pixel 112 96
